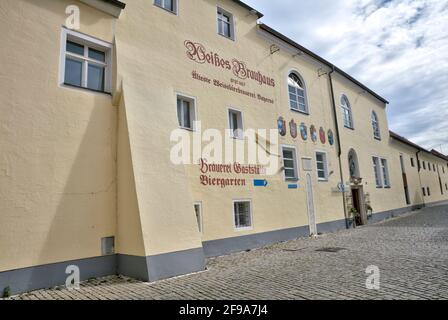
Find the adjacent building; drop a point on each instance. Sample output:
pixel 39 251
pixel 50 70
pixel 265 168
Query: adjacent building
pixel 87 113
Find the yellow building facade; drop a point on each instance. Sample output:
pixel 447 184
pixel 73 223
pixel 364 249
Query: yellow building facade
pixel 93 93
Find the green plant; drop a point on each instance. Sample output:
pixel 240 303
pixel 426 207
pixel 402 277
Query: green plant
pixel 6 292
pixel 369 208
pixel 354 212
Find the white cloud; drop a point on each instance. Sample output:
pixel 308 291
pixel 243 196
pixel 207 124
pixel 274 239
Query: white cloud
pixel 398 48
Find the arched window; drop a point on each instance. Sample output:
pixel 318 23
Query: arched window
pixel 346 112
pixel 297 95
pixel 376 126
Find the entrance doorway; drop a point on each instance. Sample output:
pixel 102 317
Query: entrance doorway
pixel 310 205
pixel 359 205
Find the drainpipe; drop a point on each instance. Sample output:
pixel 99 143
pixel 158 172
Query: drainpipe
pixel 338 141
pixel 440 179
pixel 419 176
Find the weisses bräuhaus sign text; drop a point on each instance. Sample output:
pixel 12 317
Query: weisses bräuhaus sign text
pixel 199 54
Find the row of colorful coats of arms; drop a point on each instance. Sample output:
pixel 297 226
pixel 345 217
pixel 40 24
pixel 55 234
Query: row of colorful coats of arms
pixel 294 129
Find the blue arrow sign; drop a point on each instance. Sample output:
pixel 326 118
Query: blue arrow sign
pixel 261 183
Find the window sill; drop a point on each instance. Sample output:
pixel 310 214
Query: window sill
pixel 298 111
pixel 292 180
pixel 187 129
pixel 377 138
pixel 244 229
pixel 351 128
pixel 322 180
pixel 84 88
pixel 164 9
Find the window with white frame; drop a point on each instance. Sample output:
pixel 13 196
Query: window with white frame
pixel 225 24
pixel 346 112
pixel 322 166
pixel 186 113
pixel 85 62
pixel 198 212
pixel 376 126
pixel 297 94
pixel 290 163
pixel 242 214
pixel 385 172
pixel 170 5
pixel 377 171
pixel 236 124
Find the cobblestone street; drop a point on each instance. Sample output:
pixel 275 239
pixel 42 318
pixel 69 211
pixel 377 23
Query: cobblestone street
pixel 411 253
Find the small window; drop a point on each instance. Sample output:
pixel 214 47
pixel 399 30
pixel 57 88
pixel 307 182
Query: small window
pixel 446 186
pixel 86 62
pixel 443 170
pixel 346 112
pixel 108 246
pixel 428 191
pixel 170 5
pixel 242 214
pixel 322 167
pixel 424 165
pixel 385 172
pixel 290 164
pixel 376 126
pixel 429 166
pixel 434 167
pixel 186 113
pixel 424 192
pixel 412 162
pixel 236 124
pixel 376 169
pixel 297 96
pixel 198 212
pixel 225 24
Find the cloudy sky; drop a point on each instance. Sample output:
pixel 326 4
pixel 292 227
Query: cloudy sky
pixel 398 48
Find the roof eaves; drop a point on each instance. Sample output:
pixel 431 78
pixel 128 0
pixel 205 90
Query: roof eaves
pixel 246 6
pixel 406 141
pixel 440 155
pixel 416 146
pixel 318 58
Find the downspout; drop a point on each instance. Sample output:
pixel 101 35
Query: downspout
pixel 419 176
pixel 338 143
pixel 440 180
